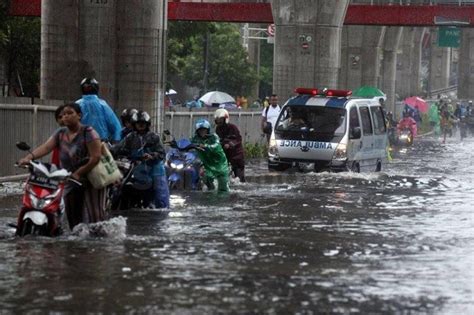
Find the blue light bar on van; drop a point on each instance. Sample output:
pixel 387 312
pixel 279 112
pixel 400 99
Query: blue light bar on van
pixel 306 91
pixel 338 93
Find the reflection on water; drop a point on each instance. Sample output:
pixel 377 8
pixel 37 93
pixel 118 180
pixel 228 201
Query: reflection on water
pixel 399 241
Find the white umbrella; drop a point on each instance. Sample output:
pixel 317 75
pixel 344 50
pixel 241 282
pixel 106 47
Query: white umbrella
pixel 171 92
pixel 216 97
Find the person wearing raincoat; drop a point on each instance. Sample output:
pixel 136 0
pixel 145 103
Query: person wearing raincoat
pixel 212 156
pixel 407 122
pixel 231 142
pixel 145 144
pixel 434 118
pixel 97 113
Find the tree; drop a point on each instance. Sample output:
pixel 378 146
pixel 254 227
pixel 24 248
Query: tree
pixel 20 48
pixel 180 40
pixel 266 69
pixel 228 67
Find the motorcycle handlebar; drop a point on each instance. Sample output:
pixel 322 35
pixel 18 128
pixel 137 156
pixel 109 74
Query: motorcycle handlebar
pixel 74 181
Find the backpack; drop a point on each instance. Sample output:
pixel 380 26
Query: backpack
pixel 268 126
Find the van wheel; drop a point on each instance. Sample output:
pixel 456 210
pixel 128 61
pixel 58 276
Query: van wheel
pixel 378 168
pixel 279 167
pixel 355 167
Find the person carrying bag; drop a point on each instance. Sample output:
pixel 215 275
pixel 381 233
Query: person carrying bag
pixel 269 116
pixel 79 152
pixel 106 172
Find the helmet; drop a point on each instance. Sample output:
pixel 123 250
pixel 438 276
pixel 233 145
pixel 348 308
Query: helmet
pixel 203 123
pixel 89 86
pixel 127 114
pixel 222 113
pixel 141 116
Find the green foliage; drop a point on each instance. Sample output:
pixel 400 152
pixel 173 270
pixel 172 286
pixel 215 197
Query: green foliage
pixel 228 67
pixel 180 40
pixel 255 150
pixel 20 48
pixel 266 69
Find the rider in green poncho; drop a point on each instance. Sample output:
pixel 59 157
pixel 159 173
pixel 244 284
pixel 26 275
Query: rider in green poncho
pixel 435 118
pixel 212 156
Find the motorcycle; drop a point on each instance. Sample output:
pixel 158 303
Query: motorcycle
pixel 43 206
pixel 183 165
pixel 405 137
pixel 136 188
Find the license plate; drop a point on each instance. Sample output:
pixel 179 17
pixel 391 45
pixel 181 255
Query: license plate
pixel 43 181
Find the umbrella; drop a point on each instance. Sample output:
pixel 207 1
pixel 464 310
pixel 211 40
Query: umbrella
pixel 417 102
pixel 369 92
pixel 171 92
pixel 216 97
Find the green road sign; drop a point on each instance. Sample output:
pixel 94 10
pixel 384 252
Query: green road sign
pixel 449 36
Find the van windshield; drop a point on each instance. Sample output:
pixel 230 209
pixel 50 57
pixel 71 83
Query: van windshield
pixel 317 123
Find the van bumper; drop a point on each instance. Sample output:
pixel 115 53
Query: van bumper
pixel 319 165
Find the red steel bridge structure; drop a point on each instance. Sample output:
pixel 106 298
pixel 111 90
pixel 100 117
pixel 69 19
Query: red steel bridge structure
pixel 357 14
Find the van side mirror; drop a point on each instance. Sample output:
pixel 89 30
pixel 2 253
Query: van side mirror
pixel 356 133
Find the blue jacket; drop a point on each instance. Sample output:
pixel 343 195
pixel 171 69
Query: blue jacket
pixel 98 114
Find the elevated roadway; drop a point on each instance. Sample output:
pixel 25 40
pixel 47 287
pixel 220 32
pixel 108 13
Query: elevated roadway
pixel 357 14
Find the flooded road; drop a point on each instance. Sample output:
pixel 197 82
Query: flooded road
pixel 401 241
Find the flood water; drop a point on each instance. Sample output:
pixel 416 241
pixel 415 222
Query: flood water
pixel 400 241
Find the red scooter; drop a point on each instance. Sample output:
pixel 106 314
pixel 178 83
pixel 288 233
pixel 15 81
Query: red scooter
pixel 43 206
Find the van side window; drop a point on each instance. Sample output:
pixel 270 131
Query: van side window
pixel 379 120
pixel 353 118
pixel 366 121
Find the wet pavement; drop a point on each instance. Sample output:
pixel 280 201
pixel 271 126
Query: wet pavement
pixel 400 241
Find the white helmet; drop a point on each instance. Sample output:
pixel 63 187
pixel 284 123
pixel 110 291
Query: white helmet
pixel 222 113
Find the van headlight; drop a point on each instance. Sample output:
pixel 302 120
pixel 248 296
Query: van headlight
pixel 341 152
pixel 272 146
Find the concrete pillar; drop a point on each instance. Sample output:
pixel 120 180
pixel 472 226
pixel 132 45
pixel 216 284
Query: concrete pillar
pixel 466 65
pixel 409 63
pixel 60 50
pixel 416 77
pixel 307 44
pixel 389 65
pixel 254 59
pixel 372 52
pixel 141 55
pixel 121 44
pixel 440 64
pixel 351 57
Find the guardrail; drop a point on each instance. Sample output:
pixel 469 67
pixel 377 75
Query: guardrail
pixel 34 124
pixel 449 89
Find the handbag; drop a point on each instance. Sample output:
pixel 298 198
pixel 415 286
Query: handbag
pixel 268 128
pixel 106 171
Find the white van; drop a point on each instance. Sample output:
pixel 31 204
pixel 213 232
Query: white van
pixel 330 129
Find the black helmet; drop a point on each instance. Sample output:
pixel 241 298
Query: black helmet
pixel 141 116
pixel 89 86
pixel 127 114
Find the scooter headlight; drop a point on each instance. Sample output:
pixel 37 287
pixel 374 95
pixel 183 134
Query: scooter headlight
pixel 46 202
pixel 35 202
pixel 341 152
pixel 177 166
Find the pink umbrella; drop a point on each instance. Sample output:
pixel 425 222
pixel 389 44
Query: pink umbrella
pixel 416 102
